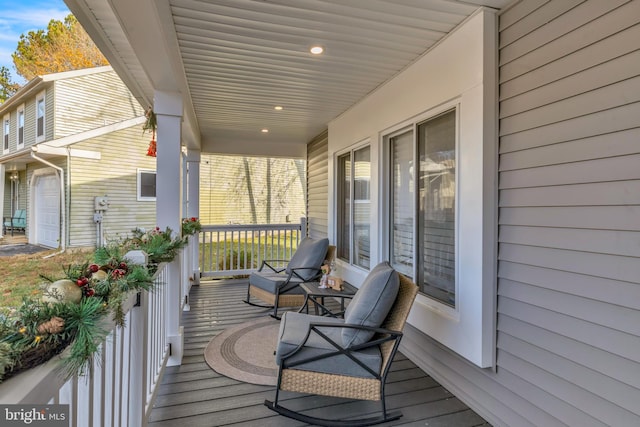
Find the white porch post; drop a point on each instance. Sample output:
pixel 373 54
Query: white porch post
pixel 168 110
pixel 3 182
pixel 193 206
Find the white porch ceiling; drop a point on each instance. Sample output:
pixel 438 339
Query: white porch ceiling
pixel 234 60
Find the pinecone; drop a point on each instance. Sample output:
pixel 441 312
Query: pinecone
pixel 55 325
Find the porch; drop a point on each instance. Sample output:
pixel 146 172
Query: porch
pixel 192 394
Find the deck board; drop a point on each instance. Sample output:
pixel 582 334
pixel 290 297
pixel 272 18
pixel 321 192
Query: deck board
pixel 193 395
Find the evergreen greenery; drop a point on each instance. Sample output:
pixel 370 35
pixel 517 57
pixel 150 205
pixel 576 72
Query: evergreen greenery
pixel 37 330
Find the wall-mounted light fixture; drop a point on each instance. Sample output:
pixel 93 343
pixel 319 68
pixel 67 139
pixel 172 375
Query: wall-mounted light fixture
pixel 14 176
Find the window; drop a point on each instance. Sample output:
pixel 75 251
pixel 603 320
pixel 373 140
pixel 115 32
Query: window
pixel 436 206
pixel 146 185
pixel 354 206
pixel 20 134
pixel 40 117
pixel 422 208
pixel 435 213
pixel 6 128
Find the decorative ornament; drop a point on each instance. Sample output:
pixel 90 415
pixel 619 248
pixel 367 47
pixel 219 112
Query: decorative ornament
pixel 151 151
pixel 55 325
pixel 100 275
pixel 151 125
pixel 63 290
pixel 326 269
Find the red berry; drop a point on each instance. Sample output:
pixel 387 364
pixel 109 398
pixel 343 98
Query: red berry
pixel 79 282
pixel 118 273
pixel 90 292
pixel 94 268
pixel 123 266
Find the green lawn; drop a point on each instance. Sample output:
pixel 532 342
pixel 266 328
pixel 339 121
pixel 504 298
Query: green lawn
pixel 20 274
pixel 234 252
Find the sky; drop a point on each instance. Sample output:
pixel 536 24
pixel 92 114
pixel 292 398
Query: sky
pixel 21 16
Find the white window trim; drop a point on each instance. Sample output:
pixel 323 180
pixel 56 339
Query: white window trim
pixel 7 117
pixel 474 246
pixel 140 171
pixel 41 138
pixel 435 305
pixel 462 66
pixel 19 110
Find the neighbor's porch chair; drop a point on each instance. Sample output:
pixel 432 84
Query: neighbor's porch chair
pixel 350 357
pixel 17 222
pixel 279 287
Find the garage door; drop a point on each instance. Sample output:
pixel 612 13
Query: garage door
pixel 47 211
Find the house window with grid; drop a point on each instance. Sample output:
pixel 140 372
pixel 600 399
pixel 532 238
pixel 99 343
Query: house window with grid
pixel 20 128
pixel 6 128
pixel 40 117
pixel 146 185
pixel 423 205
pixel 354 206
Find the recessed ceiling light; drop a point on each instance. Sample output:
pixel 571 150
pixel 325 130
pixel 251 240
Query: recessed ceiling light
pixel 265 130
pixel 316 50
pixel 278 107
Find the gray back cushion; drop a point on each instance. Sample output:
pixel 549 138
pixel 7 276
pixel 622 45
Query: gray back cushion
pixel 310 253
pixel 371 304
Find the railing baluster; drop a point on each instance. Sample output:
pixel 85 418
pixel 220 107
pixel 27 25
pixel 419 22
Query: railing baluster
pixel 236 254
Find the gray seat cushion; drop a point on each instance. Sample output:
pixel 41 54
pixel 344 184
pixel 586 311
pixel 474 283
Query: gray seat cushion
pixel 269 281
pixel 293 330
pixel 371 303
pixel 310 253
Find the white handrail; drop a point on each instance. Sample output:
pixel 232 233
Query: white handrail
pixel 230 250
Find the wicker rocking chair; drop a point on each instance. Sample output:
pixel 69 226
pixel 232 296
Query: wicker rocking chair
pixel 348 357
pixel 279 287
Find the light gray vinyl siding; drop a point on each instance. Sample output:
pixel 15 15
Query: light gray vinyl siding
pixel 94 100
pixel 318 186
pixel 569 206
pixel 114 175
pixel 568 334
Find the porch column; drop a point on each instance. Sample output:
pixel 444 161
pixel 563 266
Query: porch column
pixel 168 109
pixel 193 205
pixel 3 180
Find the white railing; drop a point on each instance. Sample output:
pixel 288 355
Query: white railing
pixel 121 386
pixel 231 250
pixel 190 274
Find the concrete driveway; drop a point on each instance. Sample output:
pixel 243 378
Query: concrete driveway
pixel 20 249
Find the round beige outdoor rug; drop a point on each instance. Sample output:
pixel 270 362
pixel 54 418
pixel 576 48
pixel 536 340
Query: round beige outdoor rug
pixel 245 352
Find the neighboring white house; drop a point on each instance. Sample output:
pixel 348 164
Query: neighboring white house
pixel 68 138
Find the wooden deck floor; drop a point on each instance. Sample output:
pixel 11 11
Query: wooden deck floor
pixel 194 395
